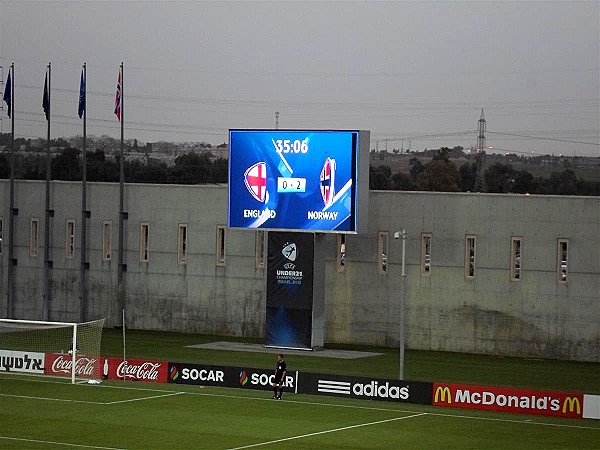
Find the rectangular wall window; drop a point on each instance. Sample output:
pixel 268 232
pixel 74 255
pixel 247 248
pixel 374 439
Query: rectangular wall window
pixel 383 251
pixel 70 239
pixel 470 254
pixel 1 233
pixel 182 244
pixel 341 252
pixel 515 258
pixel 33 237
pixel 220 245
pixel 563 260
pixel 106 240
pixel 426 253
pixel 260 248
pixel 144 241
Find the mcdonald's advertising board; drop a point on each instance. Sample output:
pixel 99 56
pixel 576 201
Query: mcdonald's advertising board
pixel 507 399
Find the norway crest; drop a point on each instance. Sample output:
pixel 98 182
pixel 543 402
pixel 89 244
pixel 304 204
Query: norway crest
pixel 327 179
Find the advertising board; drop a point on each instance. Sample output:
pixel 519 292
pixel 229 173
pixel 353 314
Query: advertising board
pixel 135 370
pixel 366 388
pixel 508 399
pixel 61 364
pixel 19 361
pixel 225 376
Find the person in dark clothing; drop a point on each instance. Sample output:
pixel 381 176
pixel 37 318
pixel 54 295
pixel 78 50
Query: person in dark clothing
pixel 279 379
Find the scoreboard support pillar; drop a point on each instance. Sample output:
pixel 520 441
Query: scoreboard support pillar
pixel 318 310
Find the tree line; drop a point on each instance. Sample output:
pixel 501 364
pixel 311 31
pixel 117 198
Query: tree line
pixel 440 174
pixel 189 168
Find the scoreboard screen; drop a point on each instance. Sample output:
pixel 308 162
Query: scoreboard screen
pixel 294 179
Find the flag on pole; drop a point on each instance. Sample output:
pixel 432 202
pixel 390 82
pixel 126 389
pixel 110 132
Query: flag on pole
pixel 8 94
pixel 81 108
pixel 118 98
pixel 46 100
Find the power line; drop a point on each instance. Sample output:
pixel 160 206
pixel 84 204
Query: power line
pixel 544 138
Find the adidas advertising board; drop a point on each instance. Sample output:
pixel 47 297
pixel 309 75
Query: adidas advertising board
pixel 366 388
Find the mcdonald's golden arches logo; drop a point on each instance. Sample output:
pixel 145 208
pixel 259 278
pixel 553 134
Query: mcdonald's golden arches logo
pixel 442 393
pixel 571 403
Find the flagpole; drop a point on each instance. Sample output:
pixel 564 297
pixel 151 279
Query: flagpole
pixel 84 212
pixel 48 212
pixel 121 293
pixel 12 210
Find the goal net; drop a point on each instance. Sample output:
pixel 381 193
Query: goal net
pixel 52 348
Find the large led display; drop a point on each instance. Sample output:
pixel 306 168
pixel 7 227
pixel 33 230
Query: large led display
pixel 295 179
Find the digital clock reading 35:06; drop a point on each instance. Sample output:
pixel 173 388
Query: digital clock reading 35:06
pixel 289 146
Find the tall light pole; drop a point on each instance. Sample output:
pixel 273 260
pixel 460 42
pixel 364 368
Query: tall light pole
pixel 398 235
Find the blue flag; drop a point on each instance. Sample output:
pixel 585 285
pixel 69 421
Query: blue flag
pixel 81 108
pixel 8 95
pixel 46 99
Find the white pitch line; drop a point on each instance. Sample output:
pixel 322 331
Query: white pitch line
pixel 329 431
pixel 38 441
pixel 51 399
pixel 28 397
pixel 152 397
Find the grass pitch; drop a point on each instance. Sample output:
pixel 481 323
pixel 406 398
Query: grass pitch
pixel 50 413
pixel 46 413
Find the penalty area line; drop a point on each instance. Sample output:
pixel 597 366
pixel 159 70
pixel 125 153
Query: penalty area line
pixel 39 441
pixel 334 430
pixel 28 397
pixel 152 397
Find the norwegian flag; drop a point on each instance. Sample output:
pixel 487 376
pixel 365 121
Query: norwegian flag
pixel 118 98
pixel 328 181
pixel 255 178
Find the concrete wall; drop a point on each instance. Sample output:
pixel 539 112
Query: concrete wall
pixel 536 316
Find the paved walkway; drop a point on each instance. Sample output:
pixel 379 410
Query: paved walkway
pixel 260 348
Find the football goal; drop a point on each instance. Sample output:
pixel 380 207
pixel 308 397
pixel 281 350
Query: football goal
pixel 52 348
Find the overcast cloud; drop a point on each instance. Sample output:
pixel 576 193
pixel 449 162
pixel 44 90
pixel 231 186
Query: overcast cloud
pixel 413 73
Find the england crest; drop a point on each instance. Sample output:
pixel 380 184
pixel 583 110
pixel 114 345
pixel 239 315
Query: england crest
pixel 328 182
pixel 255 178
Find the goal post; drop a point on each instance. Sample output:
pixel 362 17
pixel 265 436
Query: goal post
pixel 60 348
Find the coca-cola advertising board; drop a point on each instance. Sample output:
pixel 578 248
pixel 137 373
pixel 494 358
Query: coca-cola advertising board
pixel 135 370
pixel 61 364
pixel 111 368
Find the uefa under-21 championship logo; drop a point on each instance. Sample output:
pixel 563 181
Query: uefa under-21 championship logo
pixel 290 251
pixel 289 274
pixel 327 179
pixel 255 178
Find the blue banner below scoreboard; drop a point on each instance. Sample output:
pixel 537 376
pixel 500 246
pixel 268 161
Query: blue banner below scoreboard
pixel 289 290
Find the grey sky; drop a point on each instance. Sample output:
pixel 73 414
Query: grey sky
pixel 403 70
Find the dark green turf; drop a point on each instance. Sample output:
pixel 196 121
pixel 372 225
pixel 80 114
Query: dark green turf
pixel 47 413
pixel 419 365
